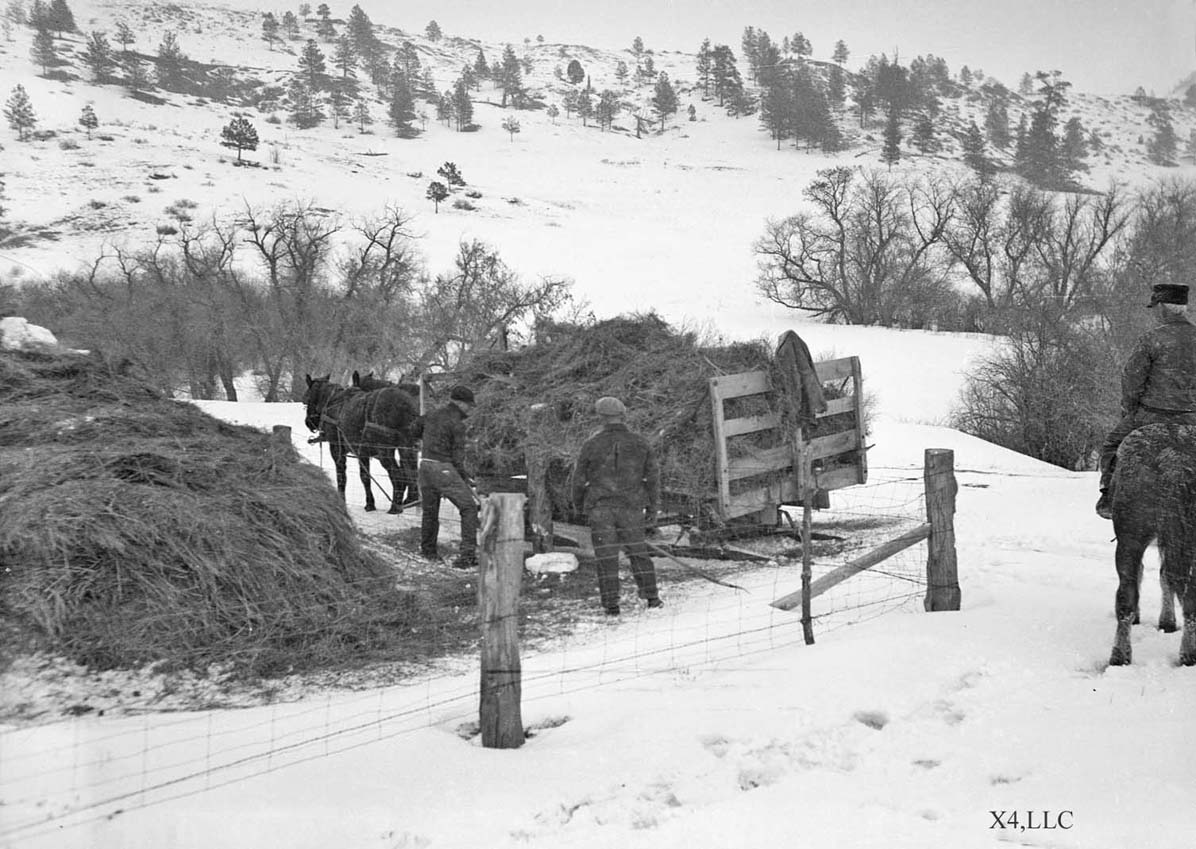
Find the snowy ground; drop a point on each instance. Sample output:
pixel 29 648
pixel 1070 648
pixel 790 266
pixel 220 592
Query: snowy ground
pixel 708 724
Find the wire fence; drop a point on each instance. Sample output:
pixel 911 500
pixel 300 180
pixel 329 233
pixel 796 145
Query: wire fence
pixel 80 771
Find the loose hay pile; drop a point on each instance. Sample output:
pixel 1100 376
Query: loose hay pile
pixel 541 398
pixel 136 529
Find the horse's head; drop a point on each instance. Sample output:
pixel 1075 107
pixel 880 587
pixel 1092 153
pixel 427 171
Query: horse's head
pixel 315 399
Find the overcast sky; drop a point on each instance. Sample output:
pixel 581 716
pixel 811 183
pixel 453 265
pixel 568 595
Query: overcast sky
pixel 1101 46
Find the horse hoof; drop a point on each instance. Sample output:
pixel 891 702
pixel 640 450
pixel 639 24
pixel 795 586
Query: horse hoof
pixel 1187 659
pixel 370 508
pixel 395 510
pixel 1120 658
pixel 1168 627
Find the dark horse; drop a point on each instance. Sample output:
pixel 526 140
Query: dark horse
pixel 367 425
pixel 1154 498
pixel 408 451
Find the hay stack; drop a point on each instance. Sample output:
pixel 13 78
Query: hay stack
pixel 660 374
pixel 134 528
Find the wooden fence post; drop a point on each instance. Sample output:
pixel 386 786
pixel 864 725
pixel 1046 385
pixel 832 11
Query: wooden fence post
pixel 539 495
pixel 500 574
pixel 808 488
pixel 942 574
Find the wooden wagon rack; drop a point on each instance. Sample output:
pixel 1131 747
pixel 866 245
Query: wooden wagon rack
pixel 828 455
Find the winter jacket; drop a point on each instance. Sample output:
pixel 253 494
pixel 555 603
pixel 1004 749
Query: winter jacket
pixel 444 437
pixel 616 468
pixel 1161 372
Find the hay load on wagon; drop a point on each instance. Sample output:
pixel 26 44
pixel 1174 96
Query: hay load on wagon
pixel 137 529
pixel 720 459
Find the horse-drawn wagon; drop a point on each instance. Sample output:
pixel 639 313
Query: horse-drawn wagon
pixel 736 433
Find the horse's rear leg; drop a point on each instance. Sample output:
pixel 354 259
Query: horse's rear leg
pixel 363 465
pixel 1167 610
pixel 409 473
pixel 1129 571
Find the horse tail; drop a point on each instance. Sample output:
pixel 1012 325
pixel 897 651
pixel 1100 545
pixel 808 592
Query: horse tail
pixel 1177 522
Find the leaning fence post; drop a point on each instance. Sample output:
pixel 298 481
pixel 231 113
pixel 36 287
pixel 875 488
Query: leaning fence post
pixel 809 487
pixel 942 574
pixel 500 573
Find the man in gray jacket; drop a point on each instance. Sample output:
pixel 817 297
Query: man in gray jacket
pixel 1159 381
pixel 616 483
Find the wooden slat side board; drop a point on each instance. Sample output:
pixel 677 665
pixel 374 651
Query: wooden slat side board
pixel 738 385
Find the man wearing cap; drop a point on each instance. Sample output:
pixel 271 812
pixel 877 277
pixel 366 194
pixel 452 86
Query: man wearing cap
pixel 616 483
pixel 1159 381
pixel 442 474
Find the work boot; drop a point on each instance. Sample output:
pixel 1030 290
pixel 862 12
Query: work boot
pixel 655 602
pixel 463 562
pixel 613 610
pixel 1104 507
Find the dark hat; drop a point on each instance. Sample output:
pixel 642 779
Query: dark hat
pixel 463 394
pixel 1168 293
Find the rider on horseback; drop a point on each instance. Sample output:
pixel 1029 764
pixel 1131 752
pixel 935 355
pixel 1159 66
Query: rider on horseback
pixel 1159 381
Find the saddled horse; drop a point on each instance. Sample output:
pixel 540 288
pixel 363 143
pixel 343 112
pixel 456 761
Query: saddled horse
pixel 367 425
pixel 1154 498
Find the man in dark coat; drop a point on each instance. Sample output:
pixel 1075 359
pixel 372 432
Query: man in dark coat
pixel 1159 381
pixel 442 474
pixel 616 483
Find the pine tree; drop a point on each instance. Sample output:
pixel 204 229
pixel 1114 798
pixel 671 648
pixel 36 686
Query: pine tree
pixel 88 119
pixel 511 125
pixel 39 15
pixel 361 32
pixel 839 57
pixel 136 75
pixel 724 74
pixel 18 111
pixel 338 105
pixel 509 76
pixel 585 106
pixel 344 58
pixel 432 31
pixel 325 29
pixel 170 61
pixel 462 106
pixel 974 154
pixel 61 19
pixel 481 67
pixel 451 174
pixel 361 114
pixel 553 111
pixel 402 107
pixel 305 106
pixel 607 108
pixel 705 64
pixel 241 134
pixel 1074 146
pixel 891 152
pixel 664 99
pixel 576 73
pixel 836 87
pixel 98 56
pixel 1039 157
pixel 43 51
pixel 637 46
pixel 290 24
pixel 124 36
pixel 270 29
pixel 437 192
pixel 924 137
pixel 1164 144
pixel 996 124
pixel 311 65
pixel 14 12
pixel 304 10
pixel 621 72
